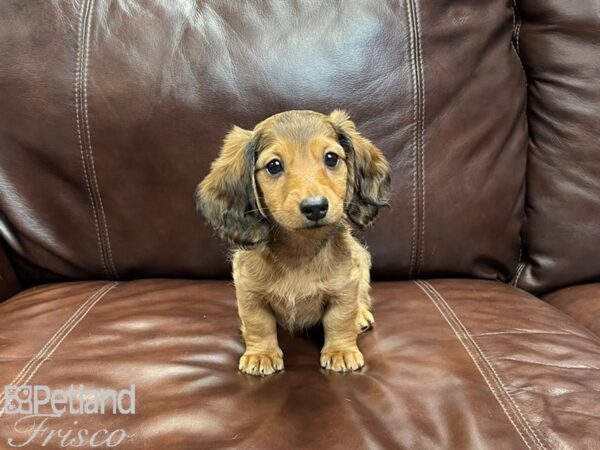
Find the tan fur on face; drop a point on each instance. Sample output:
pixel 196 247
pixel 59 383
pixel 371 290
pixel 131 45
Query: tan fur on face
pixel 305 176
pixel 300 142
pixel 291 271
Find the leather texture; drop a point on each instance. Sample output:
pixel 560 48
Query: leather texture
pixel 112 111
pixel 559 46
pixel 450 364
pixel 9 284
pixel 118 108
pixel 580 302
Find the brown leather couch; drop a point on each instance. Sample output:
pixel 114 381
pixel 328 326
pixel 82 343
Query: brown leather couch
pixel 487 315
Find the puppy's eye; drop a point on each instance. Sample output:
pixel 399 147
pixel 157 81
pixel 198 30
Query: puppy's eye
pixel 274 167
pixel 331 159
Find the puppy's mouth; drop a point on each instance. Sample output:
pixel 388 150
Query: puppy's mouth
pixel 314 226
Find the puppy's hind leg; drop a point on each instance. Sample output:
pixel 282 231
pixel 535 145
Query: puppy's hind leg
pixel 364 317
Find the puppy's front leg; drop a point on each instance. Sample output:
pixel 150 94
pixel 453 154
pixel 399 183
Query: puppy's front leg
pixel 340 352
pixel 259 329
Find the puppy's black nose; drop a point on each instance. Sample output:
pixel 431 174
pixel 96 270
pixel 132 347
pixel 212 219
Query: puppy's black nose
pixel 314 208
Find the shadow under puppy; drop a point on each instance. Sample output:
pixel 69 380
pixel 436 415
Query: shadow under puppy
pixel 284 195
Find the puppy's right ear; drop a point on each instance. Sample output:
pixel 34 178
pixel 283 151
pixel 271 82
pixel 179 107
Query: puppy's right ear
pixel 227 196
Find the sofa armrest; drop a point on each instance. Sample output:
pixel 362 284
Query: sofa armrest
pixel 9 284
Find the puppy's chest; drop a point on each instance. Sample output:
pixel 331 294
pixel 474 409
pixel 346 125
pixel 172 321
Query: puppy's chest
pixel 298 298
pixel 297 291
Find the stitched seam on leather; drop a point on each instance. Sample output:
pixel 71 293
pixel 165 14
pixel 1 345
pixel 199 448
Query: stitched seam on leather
pixel 91 149
pixel 418 132
pixel 520 268
pixel 56 335
pixel 516 28
pixel 85 141
pixel 460 330
pixel 77 84
pixel 59 336
pixel 489 383
pixel 489 364
pixel 519 262
pixel 421 137
pixel 414 76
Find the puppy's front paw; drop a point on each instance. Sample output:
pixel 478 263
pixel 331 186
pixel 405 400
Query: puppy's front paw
pixel 364 319
pixel 342 360
pixel 261 364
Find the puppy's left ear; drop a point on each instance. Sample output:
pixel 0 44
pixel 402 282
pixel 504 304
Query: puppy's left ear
pixel 368 172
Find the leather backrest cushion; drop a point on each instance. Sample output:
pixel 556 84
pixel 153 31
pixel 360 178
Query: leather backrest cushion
pixel 112 112
pixel 559 43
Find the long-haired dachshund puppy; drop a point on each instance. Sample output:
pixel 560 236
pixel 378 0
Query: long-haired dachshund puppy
pixel 284 195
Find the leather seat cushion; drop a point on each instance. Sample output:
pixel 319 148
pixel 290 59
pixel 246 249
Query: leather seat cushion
pixel 580 302
pixel 450 364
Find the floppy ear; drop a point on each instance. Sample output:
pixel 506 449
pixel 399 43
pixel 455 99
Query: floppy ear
pixel 227 196
pixel 368 172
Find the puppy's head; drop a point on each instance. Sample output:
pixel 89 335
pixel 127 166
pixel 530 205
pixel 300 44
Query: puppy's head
pixel 300 170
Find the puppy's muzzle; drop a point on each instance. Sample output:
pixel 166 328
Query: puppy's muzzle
pixel 314 208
